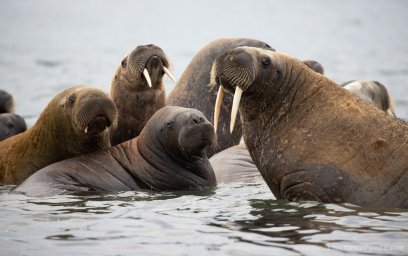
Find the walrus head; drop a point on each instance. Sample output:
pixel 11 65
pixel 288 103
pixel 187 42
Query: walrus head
pixel 180 131
pixel 147 63
pixel 90 109
pixel 248 70
pixel 6 102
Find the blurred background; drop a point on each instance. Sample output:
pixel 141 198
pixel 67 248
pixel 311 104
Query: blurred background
pixel 48 45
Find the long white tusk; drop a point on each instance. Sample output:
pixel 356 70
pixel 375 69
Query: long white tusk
pixel 218 103
pixel 235 106
pixel 147 76
pixel 167 71
pixel 86 129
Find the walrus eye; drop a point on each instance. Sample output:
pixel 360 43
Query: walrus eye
pixel 123 63
pixel 71 99
pixel 268 46
pixel 170 125
pixel 266 62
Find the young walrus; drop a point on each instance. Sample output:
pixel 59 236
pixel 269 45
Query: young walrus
pixel 169 154
pixel 75 122
pixel 137 90
pixel 311 139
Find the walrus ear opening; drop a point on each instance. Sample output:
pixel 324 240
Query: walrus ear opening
pixel 170 125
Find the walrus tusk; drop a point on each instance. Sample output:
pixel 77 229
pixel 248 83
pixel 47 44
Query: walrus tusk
pixel 147 76
pixel 235 106
pixel 86 129
pixel 218 103
pixel 167 71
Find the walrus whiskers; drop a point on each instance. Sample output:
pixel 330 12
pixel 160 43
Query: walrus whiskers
pixel 147 76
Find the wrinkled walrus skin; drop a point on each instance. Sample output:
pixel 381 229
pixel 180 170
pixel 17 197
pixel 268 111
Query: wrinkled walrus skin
pixel 192 90
pixel 74 122
pixel 136 96
pixel 310 138
pixel 167 155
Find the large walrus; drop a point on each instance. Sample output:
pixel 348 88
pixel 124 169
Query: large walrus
pixel 137 90
pixel 311 139
pixel 75 122
pixel 192 91
pixel 234 164
pixel 169 154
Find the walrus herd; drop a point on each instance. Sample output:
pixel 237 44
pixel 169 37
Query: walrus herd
pixel 275 118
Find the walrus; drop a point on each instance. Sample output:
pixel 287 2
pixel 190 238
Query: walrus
pixel 192 91
pixel 311 139
pixel 373 92
pixel 74 122
pixel 137 90
pixel 315 66
pixel 234 164
pixel 6 102
pixel 169 154
pixel 10 125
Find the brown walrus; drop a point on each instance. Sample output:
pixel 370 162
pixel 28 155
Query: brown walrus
pixel 169 154
pixel 310 138
pixel 137 90
pixel 74 122
pixel 192 91
pixel 373 92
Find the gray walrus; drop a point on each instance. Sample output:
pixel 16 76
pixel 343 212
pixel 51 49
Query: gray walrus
pixel 311 139
pixel 234 164
pixel 373 92
pixel 191 90
pixel 10 125
pixel 169 154
pixel 137 90
pixel 74 122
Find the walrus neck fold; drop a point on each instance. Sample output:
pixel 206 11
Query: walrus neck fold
pixel 193 173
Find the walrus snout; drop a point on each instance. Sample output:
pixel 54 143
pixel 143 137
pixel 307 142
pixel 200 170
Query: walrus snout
pixel 234 71
pixel 196 135
pixel 96 114
pixel 149 61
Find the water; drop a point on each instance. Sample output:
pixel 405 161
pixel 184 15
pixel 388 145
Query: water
pixel 48 45
pixel 233 219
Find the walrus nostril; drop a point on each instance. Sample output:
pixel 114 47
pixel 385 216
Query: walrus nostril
pixel 197 120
